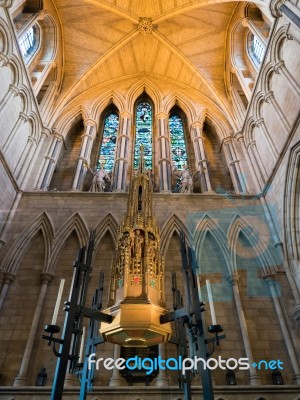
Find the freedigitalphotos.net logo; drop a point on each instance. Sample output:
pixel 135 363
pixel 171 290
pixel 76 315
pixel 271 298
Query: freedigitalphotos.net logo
pixel 180 364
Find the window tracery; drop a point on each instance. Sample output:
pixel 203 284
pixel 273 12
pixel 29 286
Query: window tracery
pixel 178 147
pixel 108 144
pixel 143 134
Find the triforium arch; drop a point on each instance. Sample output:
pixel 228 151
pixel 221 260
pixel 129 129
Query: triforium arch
pixel 41 223
pixel 174 224
pixel 76 224
pixel 292 212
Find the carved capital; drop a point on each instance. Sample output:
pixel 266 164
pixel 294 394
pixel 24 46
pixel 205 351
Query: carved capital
pixel 259 122
pixel 23 117
pixel 8 278
pixel 6 3
pixel 125 115
pixel 233 279
pixel 275 8
pixel 197 124
pixel 269 96
pixel 279 66
pixel 45 132
pixel 245 22
pixel 45 278
pixel 161 115
pixel 14 89
pixel 270 280
pixel 89 122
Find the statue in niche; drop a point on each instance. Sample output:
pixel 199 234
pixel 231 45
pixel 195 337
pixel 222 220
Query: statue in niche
pixel 100 178
pixel 183 179
pixel 137 242
pixel 186 180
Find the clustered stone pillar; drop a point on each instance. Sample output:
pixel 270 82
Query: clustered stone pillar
pixel 23 118
pixel 244 81
pixel 233 279
pixel 49 161
pixel 239 106
pixel 85 151
pixel 269 98
pixel 164 165
pixel 21 378
pixel 284 328
pixel 257 163
pixel 201 161
pixel 240 138
pixel 260 123
pixel 7 280
pixel 12 91
pixel 238 177
pixel 121 163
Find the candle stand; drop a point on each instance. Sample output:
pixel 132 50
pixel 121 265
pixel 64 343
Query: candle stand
pixel 189 321
pixel 72 331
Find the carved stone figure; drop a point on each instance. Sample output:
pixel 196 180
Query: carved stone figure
pixel 99 179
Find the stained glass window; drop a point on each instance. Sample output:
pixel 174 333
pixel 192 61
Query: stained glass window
pixel 178 148
pixel 258 49
pixel 27 42
pixel 109 139
pixel 143 133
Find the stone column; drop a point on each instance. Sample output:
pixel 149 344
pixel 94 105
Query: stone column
pixel 25 157
pixel 21 378
pixel 12 91
pixel 10 217
pixel 269 98
pixel 284 328
pixel 121 163
pixel 116 378
pixel 281 69
pixel 164 159
pixel 201 161
pixel 49 162
pixel 233 279
pixel 21 119
pixel 240 139
pixel 236 173
pixel 8 279
pixel 48 100
pixel 6 3
pixel 238 104
pixel 87 140
pixel 242 80
pixel 260 123
pixel 257 164
pixel 162 379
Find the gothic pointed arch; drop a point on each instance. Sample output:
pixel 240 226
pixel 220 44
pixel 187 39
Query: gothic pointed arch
pixel 141 87
pixel 41 223
pixel 74 224
pixel 256 247
pixel 107 224
pixel 108 98
pixel 178 99
pixel 173 225
pixel 6 39
pixel 207 225
pixel 65 121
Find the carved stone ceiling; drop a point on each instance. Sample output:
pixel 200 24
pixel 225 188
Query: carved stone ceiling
pixel 176 40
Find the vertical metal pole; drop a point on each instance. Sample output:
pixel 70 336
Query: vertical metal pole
pixel 62 361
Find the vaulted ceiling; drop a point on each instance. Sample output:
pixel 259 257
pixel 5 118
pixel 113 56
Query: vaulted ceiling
pixel 186 45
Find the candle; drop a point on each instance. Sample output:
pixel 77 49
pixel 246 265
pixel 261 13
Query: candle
pixel 82 346
pixel 211 303
pixel 58 300
pixel 199 286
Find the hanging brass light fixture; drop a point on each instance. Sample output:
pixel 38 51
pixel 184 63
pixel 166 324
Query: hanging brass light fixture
pixel 137 286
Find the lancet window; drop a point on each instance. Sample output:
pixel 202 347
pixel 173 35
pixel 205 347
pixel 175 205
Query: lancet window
pixel 178 147
pixel 106 153
pixel 143 134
